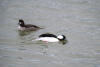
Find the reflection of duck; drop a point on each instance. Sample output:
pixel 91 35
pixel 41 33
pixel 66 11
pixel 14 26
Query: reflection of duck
pixel 24 33
pixel 51 38
pixel 27 27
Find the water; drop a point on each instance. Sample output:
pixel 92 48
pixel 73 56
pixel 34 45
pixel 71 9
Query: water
pixel 78 20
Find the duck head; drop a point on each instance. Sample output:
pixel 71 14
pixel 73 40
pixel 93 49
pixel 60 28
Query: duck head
pixel 21 23
pixel 61 37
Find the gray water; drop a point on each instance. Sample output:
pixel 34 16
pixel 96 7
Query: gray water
pixel 78 20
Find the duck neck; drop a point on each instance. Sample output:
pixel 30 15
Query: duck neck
pixel 22 25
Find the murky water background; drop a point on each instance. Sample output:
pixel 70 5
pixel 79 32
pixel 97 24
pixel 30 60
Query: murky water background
pixel 79 20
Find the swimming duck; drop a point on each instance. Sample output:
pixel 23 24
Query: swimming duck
pixel 27 27
pixel 51 38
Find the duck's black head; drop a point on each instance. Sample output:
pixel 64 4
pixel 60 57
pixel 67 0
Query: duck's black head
pixel 21 23
pixel 61 37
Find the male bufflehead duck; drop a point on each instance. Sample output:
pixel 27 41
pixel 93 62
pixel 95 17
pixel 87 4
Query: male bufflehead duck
pixel 51 38
pixel 27 27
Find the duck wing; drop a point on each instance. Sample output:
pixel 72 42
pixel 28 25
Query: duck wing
pixel 48 35
pixel 30 25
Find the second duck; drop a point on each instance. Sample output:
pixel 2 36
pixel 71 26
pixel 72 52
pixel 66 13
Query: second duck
pixel 27 27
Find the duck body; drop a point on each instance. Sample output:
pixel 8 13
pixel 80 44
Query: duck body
pixel 50 38
pixel 27 27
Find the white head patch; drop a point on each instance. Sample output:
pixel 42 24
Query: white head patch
pixel 60 37
pixel 20 23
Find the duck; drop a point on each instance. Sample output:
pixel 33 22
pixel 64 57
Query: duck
pixel 47 37
pixel 27 27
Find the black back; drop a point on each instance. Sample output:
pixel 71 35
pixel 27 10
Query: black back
pixel 30 25
pixel 48 35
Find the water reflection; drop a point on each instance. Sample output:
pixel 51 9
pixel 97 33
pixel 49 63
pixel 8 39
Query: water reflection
pixel 23 33
pixel 64 42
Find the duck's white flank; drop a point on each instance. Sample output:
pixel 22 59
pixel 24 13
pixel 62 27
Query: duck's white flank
pixel 48 39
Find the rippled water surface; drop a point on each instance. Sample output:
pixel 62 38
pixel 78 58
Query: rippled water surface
pixel 78 20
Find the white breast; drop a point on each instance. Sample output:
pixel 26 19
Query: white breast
pixel 21 28
pixel 48 39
